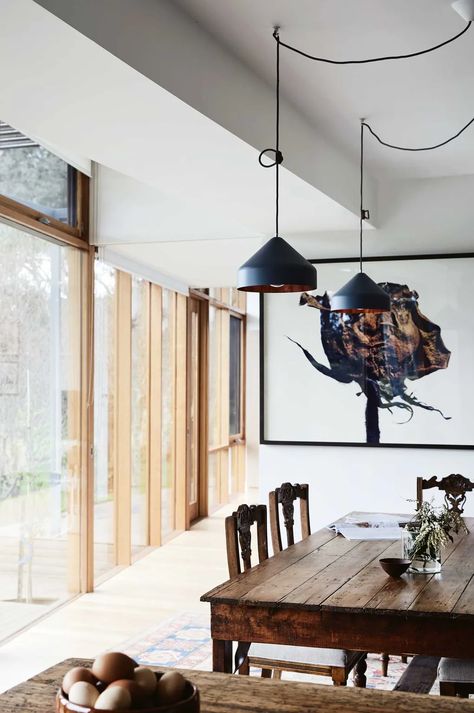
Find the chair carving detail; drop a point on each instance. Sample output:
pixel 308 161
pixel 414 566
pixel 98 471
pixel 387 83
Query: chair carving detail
pixel 245 516
pixel 454 486
pixel 285 497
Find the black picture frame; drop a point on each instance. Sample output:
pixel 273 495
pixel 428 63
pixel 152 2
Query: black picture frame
pixel 352 444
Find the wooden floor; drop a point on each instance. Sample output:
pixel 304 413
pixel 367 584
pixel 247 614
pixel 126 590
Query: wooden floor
pixel 163 583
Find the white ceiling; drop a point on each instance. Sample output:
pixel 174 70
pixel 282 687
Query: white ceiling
pixel 414 102
pixel 174 172
pixel 131 211
pixel 176 126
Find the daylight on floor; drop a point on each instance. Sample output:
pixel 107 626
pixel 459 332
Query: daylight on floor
pixel 236 430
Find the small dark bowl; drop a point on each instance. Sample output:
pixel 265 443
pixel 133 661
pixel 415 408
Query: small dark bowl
pixel 394 566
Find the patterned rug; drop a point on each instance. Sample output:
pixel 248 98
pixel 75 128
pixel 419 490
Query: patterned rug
pixel 185 642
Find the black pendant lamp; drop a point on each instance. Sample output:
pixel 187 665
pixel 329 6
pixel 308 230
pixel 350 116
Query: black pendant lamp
pixel 276 267
pixel 361 294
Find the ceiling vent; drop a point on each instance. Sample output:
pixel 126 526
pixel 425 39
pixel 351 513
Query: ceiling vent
pixel 10 138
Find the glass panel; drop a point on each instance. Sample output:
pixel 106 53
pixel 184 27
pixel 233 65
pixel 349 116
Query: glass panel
pixel 238 299
pixel 214 377
pixel 40 422
pixel 235 297
pixel 139 414
pixel 194 406
pixel 235 421
pixel 168 375
pixel 213 478
pixel 237 468
pixel 37 178
pixel 104 424
pixel 225 295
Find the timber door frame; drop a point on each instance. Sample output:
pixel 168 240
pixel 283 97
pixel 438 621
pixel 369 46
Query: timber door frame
pixel 200 508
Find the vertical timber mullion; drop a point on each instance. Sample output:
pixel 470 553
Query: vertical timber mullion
pixel 181 412
pixel 147 309
pixel 224 405
pixel 87 428
pixel 155 415
pixel 123 418
pixel 204 409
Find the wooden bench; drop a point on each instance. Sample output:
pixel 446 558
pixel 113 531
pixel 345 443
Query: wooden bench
pixel 419 675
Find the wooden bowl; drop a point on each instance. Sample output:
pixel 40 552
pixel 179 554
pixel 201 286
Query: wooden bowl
pixel 189 704
pixel 394 566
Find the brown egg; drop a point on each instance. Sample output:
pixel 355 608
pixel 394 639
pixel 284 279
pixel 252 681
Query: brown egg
pixel 79 673
pixel 83 694
pixel 113 666
pixel 146 679
pixel 113 698
pixel 170 688
pixel 138 694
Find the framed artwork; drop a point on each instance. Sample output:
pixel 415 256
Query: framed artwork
pixel 400 379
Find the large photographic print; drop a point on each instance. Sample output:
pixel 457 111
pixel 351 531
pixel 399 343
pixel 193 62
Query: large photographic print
pixel 397 379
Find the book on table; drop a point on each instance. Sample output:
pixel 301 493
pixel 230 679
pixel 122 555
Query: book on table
pixel 370 526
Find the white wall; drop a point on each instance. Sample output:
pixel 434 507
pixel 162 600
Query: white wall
pixel 345 479
pixel 420 216
pixel 252 423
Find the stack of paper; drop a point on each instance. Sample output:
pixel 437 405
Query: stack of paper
pixel 370 526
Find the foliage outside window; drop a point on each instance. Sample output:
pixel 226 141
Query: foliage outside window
pixel 105 292
pixel 235 376
pixel 40 432
pixel 33 176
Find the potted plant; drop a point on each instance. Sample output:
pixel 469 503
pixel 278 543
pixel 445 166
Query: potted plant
pixel 427 533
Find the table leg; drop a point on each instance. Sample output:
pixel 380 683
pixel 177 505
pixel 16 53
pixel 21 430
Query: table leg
pixel 222 656
pixel 360 680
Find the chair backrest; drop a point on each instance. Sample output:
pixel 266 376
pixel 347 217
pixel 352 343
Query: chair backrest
pixel 238 533
pixel 285 496
pixel 455 487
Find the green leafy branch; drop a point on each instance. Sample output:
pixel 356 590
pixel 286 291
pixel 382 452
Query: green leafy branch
pixel 432 528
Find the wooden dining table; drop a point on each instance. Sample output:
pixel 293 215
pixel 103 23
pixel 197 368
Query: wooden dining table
pixel 328 591
pixel 221 693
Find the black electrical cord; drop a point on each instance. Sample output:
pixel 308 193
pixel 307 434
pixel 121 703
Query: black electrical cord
pixel 278 155
pixel 276 151
pixel 277 138
pixel 419 148
pixel 380 59
pixel 362 213
pixel 372 59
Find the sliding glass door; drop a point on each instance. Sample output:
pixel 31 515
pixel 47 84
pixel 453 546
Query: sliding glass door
pixel 225 380
pixel 168 413
pixel 139 411
pixel 105 293
pixel 40 425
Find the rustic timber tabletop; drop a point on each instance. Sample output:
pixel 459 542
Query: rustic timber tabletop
pixel 221 693
pixel 328 591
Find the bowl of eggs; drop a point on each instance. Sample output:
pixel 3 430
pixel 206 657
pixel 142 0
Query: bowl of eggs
pixel 116 683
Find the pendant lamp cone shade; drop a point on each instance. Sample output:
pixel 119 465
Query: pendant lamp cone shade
pixel 360 294
pixel 277 267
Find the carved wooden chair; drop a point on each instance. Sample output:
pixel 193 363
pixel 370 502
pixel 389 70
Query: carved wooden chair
pixel 285 496
pixel 456 676
pixel 274 658
pixel 454 486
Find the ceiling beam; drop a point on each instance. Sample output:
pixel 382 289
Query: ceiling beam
pixel 159 40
